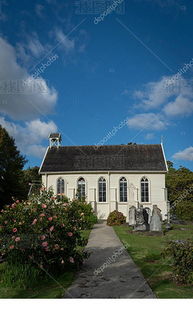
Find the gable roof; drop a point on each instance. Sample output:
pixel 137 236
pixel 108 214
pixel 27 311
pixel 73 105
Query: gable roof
pixel 104 158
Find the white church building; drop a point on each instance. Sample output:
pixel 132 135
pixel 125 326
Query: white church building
pixel 112 177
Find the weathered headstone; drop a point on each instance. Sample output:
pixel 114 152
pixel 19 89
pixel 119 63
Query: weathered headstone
pixel 146 215
pixel 156 220
pixel 132 215
pixel 140 221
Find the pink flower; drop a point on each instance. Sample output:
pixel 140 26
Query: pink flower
pixel 70 234
pixel 17 239
pixel 6 222
pixel 63 225
pixel 43 237
pixel 14 229
pixel 11 247
pixel 13 205
pixel 52 228
pixel 50 219
pixel 71 260
pixel 17 201
pixel 44 206
pixel 34 221
pixel 45 244
pixel 42 215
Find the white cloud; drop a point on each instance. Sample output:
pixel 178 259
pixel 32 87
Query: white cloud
pixel 148 121
pixel 173 97
pixel 30 136
pixel 26 97
pixel 181 106
pixel 186 154
pixel 154 94
pixel 35 46
pixel 37 151
pixel 67 44
pixel 149 136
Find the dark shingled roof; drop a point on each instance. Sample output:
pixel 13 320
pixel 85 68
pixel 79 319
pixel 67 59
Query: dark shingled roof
pixel 104 158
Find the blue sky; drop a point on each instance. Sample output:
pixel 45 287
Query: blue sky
pixel 97 74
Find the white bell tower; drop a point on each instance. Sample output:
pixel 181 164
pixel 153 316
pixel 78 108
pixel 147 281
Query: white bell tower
pixel 55 140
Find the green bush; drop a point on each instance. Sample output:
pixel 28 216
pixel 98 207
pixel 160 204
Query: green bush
pixel 83 212
pixel 184 210
pixel 116 218
pixel 43 233
pixel 181 254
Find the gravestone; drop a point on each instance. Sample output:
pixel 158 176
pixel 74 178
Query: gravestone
pixel 148 211
pixel 156 220
pixel 146 215
pixel 140 220
pixel 132 215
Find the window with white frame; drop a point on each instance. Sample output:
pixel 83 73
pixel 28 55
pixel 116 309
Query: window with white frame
pixel 144 189
pixel 60 186
pixel 102 190
pixel 81 189
pixel 123 189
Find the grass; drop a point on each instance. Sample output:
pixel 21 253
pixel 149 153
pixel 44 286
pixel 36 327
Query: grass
pixel 49 288
pixel 146 252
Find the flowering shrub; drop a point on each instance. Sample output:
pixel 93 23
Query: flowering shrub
pixel 83 212
pixel 116 218
pixel 181 253
pixel 44 232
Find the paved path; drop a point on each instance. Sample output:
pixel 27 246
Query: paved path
pixel 119 278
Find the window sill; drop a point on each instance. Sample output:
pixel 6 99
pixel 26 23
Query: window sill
pixel 145 202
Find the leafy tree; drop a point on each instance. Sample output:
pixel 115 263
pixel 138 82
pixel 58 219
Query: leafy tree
pixel 11 165
pixel 31 176
pixel 180 191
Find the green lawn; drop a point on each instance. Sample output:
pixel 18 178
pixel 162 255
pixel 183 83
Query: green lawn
pixel 49 288
pixel 146 252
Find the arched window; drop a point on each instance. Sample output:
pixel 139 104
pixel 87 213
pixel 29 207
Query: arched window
pixel 123 189
pixel 102 190
pixel 144 189
pixel 81 189
pixel 60 186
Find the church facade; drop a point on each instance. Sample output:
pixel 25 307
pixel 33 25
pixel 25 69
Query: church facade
pixel 113 177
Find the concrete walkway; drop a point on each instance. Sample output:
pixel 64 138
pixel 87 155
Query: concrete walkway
pixel 118 278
